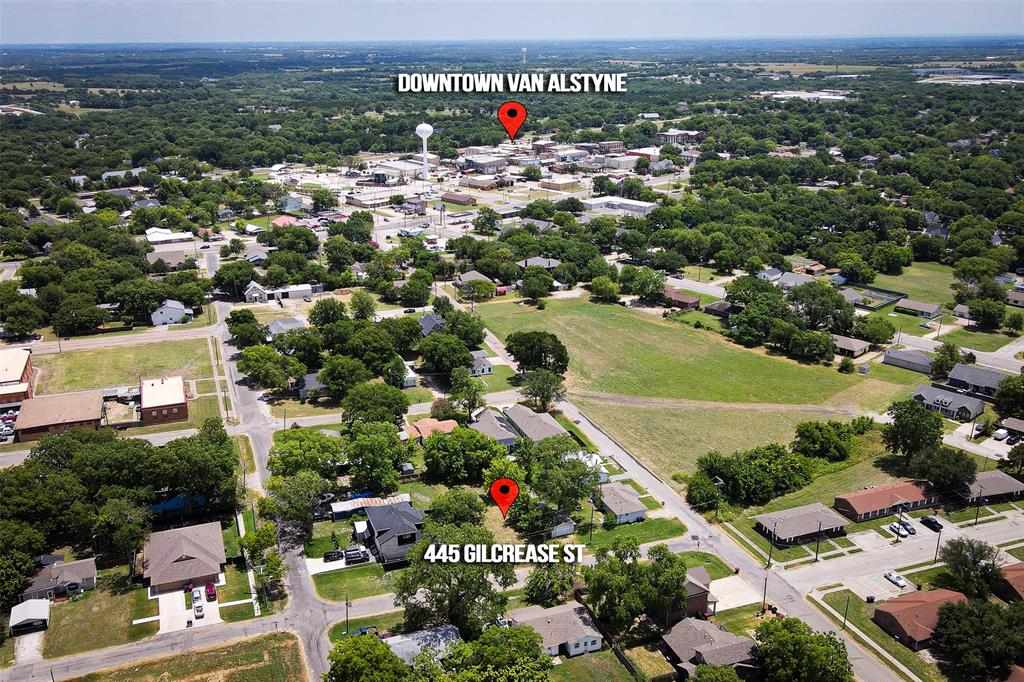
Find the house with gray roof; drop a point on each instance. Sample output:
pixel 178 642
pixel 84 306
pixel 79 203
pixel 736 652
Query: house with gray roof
pixel 537 261
pixel 437 640
pixel 792 280
pixel 976 379
pixel 432 323
pixel 993 486
pixel 851 296
pixel 850 347
pixel 277 327
pixel 392 530
pixel 192 555
pixel 952 405
pixel 693 642
pixel 912 307
pixel 481 363
pixel 800 524
pixel 533 425
pixel 622 503
pixel 908 358
pixel 769 274
pixel 565 629
pixel 61 579
pixel 171 312
pixel 493 424
pixel 465 278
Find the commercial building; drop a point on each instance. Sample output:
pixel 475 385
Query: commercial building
pixel 679 137
pixel 873 503
pixel 163 400
pixel 15 375
pixel 58 413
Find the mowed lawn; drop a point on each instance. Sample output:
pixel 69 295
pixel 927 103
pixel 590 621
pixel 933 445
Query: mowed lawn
pixel 928 282
pixel 616 350
pixel 271 658
pixel 601 666
pixel 983 341
pixel 357 582
pixel 80 370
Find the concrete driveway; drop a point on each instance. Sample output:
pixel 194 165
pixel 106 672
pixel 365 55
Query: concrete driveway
pixel 174 616
pixel 732 592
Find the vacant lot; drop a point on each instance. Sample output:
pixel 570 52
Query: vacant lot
pixel 383 621
pixel 616 350
pixel 101 617
pixel 601 666
pixel 358 582
pixel 122 366
pixel 271 658
pixel 928 282
pixel 985 342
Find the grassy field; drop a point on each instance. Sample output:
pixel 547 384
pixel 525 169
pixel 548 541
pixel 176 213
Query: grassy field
pixel 613 349
pixel 651 530
pixel 742 620
pixel 927 282
pixel 650 661
pixel 1016 552
pixel 574 430
pixel 383 621
pixel 600 666
pixel 322 542
pixel 122 366
pixel 230 531
pixel 7 648
pixel 271 658
pixel 101 617
pixel 859 615
pixel 716 567
pixel 357 582
pixel 244 447
pixel 911 324
pixel 199 410
pixel 498 380
pixel 978 340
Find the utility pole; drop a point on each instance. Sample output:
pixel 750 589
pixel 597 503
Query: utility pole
pixel 771 546
pixel 764 596
pixel 937 541
pixel 845 610
pixel 817 542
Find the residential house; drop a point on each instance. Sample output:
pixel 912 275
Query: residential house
pixel 722 309
pixel 257 293
pixel 693 642
pixel 622 503
pixel 911 618
pixel 421 429
pixel 1015 298
pixel 962 311
pixel 345 508
pixel 952 406
pixel 191 555
pixel 277 327
pixel 769 275
pixel 171 312
pixel 310 386
pixel 284 221
pixel 30 615
pixel 392 530
pixel 923 310
pixel 465 278
pixel 992 487
pixel 537 261
pixel 850 347
pixel 174 260
pixel 360 271
pixel 976 379
pixel 798 525
pixel 58 413
pixel 432 323
pixel 410 376
pixel 648 116
pixel 815 269
pixel 700 603
pixel 593 461
pixel 493 424
pixel 566 629
pixel 538 225
pixel 1013 425
pixel 438 640
pixel 673 298
pixel 561 525
pixel 15 375
pixel 161 235
pixel 1011 587
pixel 876 502
pixel 851 296
pixel 163 400
pixel 533 425
pixel 59 580
pixel 147 203
pixel 792 280
pixel 911 359
pixel 481 364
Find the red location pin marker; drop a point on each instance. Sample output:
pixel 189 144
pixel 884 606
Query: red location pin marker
pixel 504 492
pixel 512 116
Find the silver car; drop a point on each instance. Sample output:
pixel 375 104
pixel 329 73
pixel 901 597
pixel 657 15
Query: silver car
pixel 895 578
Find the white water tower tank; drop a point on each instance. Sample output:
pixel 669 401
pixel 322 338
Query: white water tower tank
pixel 425 130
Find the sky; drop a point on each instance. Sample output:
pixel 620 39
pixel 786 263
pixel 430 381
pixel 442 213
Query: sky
pixel 171 21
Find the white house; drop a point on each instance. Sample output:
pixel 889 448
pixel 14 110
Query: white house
pixel 622 503
pixel 257 293
pixel 29 616
pixel 565 629
pixel 171 312
pixel 410 376
pixel 481 364
pixel 769 274
pixel 593 461
pixel 563 526
pixel 161 235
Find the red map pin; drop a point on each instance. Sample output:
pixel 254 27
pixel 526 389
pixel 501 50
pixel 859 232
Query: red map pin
pixel 512 116
pixel 504 492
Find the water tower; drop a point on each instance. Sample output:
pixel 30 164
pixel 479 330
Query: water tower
pixel 425 130
pixel 523 51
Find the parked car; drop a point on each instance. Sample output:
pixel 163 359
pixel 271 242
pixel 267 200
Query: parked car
pixel 198 608
pixel 407 311
pixel 925 325
pixel 334 555
pixel 501 622
pixel 356 555
pixel 211 592
pixel 907 526
pixel 1013 439
pixel 326 498
pixel 371 630
pixel 898 529
pixel 1000 434
pixel 931 522
pixel 307 299
pixel 895 578
pixel 197 596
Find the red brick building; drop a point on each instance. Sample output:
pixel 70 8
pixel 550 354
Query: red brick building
pixel 163 400
pixel 15 375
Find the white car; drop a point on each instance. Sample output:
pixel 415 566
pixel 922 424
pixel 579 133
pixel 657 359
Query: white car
pixel 1000 434
pixel 895 578
pixel 898 529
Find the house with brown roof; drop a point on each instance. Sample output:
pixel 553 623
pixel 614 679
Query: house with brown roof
pixel 912 307
pixel 176 558
pixel 850 347
pixel 566 629
pixel 421 429
pixel 911 618
pixel 58 413
pixel 801 524
pixel 873 503
pixel 700 602
pixel 1011 587
pixel 693 642
pixel 61 580
pixel 722 309
pixel 993 486
pixel 673 298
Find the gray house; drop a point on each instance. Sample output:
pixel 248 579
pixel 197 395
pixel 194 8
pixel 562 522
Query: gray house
pixel 277 327
pixel 493 424
pixel 61 579
pixel 171 312
pixel 431 323
pixel 438 640
pixel 952 405
pixel 976 379
pixel 622 503
pixel 913 360
pixel 533 425
pixel 392 530
pixel 481 364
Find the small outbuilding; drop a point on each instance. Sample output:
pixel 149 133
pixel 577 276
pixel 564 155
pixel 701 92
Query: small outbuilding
pixel 30 615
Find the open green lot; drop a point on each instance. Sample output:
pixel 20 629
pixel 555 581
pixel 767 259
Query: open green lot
pixel 742 620
pixel 715 566
pixel 985 342
pixel 7 648
pixel 498 379
pixel 356 582
pixel 122 366
pixel 1016 552
pixel 616 350
pixel 650 661
pixel 927 282
pixel 101 617
pixel 859 615
pixel 383 621
pixel 650 530
pixel 271 658
pixel 600 666
pixel 322 540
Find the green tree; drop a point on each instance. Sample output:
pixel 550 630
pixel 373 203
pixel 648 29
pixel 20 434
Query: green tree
pixel 234 277
pixel 374 402
pixel 828 440
pixel 874 330
pixel 121 529
pixel 341 374
pixel 946 469
pixel 544 388
pixel 78 314
pixel 537 350
pixel 564 481
pixel 323 199
pixel 701 493
pixel 987 314
pixel 373 454
pixel 467 595
pixel 547 584
pixel 603 289
pixel 298 449
pixel 22 318
pixel 912 429
pixel 715 673
pixel 616 584
pixel 466 391
pixel 326 311
pixel 442 353
pixel 477 291
pixel 647 284
pixel 15 569
pixel 973 566
pixel 269 369
pixel 512 653
pixel 978 639
pixel 532 173
pixel 363 306
pixel 294 499
pixel 486 221
pixel 1009 398
pixel 642 166
pixel 395 372
pixel 503 467
pixel 372 345
pixel 457 506
pixel 537 283
pixel 460 456
pixel 250 334
pixel 365 658
pixel 790 651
